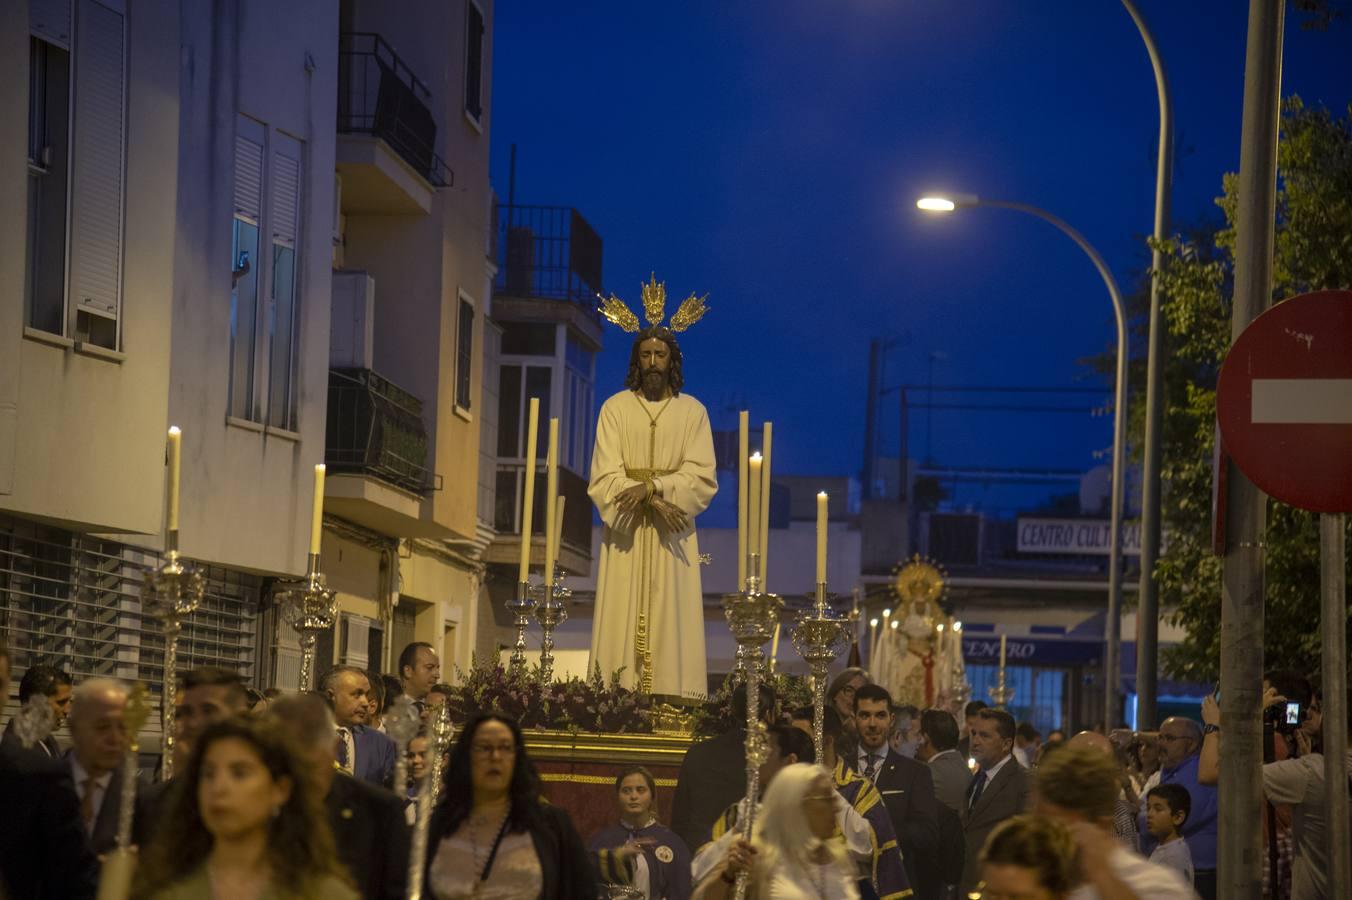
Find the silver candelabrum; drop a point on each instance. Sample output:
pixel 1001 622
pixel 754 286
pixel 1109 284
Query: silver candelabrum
pixel 169 595
pixel 551 610
pixel 752 616
pixel 819 637
pixel 1001 694
pixel 520 606
pixel 309 607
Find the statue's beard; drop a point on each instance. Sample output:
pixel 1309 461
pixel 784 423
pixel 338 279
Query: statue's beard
pixel 654 379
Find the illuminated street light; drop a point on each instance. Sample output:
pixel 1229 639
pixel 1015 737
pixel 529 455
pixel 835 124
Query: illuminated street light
pixel 944 203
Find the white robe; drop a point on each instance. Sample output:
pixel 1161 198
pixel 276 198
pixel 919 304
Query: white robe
pixel 643 565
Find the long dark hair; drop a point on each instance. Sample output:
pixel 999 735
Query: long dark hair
pixel 675 372
pixel 457 796
pixel 300 846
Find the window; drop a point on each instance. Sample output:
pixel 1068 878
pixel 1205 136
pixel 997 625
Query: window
pixel 75 185
pixel 464 355
pixel 264 328
pixel 474 61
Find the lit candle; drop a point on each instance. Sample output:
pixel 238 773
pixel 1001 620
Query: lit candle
pixel 872 640
pixel 774 649
pixel 317 512
pixel 175 466
pixel 753 484
pixel 821 537
pixel 551 497
pixel 742 440
pixel 528 503
pixel 1002 651
pixel 764 526
pixel 939 644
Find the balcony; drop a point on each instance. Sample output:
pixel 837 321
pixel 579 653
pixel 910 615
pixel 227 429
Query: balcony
pixel 547 253
pixel 387 134
pixel 376 450
pixel 574 543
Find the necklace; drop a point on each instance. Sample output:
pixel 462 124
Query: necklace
pixel 652 428
pixel 484 864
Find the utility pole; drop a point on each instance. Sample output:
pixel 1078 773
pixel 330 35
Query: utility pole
pixel 875 353
pixel 1240 844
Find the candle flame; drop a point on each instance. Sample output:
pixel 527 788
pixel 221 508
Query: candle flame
pixel 174 429
pixel 887 613
pixel 821 493
pixel 756 456
pixel 873 623
pixel 957 626
pixel 321 468
pixel 941 626
pixel 896 623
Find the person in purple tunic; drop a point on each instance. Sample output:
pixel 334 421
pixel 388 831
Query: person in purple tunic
pixel 637 851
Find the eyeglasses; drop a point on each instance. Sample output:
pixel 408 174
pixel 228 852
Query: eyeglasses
pixel 486 750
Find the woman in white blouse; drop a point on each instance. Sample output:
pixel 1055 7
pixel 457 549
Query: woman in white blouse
pixel 794 854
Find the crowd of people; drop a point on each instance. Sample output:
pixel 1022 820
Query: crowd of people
pixel 287 795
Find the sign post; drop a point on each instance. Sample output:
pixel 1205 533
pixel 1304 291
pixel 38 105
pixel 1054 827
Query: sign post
pixel 1284 404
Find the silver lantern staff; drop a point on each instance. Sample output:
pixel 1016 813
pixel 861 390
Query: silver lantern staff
pixel 752 617
pixel 401 726
pixel 169 595
pixel 819 637
pixel 308 605
pixel 437 744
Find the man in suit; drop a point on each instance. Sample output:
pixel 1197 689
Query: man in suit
pixel 419 669
pixel 44 854
pixel 367 821
pixel 361 751
pixel 905 785
pixel 939 750
pixel 713 773
pixel 53 684
pixel 97 756
pixel 999 789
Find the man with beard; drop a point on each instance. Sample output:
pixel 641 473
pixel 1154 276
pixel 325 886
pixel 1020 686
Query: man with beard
pixel 652 472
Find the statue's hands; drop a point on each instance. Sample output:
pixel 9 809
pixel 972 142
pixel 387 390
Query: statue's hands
pixel 631 498
pixel 671 515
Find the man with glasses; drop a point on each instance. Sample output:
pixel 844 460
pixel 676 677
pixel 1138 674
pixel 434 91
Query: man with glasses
pixel 1180 742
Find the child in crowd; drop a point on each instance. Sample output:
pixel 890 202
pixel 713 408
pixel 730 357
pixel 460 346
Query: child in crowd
pixel 1167 808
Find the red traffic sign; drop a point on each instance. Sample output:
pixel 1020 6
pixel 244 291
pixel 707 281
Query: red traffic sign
pixel 1284 401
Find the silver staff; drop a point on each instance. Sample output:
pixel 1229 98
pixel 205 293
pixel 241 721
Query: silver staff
pixel 752 617
pixel 401 726
pixel 819 637
pixel 311 608
pixel 170 594
pixel 437 743
pixel 118 868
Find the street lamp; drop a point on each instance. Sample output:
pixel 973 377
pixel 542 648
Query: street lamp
pixel 1112 664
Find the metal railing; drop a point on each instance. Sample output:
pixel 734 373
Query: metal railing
pixel 577 511
pixel 378 94
pixel 548 251
pixel 376 428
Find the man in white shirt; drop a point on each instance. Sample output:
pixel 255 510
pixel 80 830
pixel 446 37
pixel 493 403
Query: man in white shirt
pixel 1078 785
pixel 98 749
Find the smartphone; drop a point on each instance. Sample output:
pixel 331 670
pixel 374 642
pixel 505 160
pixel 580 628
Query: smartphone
pixel 1293 716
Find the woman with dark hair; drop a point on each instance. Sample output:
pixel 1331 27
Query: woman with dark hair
pixel 638 851
pixel 492 836
pixel 245 822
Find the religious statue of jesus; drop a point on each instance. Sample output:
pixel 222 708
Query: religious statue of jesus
pixel 652 473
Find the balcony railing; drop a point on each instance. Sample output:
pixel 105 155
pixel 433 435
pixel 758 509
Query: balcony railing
pixel 577 511
pixel 376 428
pixel 378 94
pixel 548 251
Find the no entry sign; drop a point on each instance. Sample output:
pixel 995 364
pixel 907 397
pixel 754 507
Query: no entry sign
pixel 1284 401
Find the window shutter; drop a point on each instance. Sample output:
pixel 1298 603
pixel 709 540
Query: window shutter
pixel 248 169
pixel 50 20
pixel 97 159
pixel 285 205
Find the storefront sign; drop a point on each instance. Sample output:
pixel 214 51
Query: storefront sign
pixel 1081 537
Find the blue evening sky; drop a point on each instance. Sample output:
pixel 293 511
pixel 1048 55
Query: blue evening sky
pixel 769 153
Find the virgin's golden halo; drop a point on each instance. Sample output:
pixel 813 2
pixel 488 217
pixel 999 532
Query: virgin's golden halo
pixel 919 579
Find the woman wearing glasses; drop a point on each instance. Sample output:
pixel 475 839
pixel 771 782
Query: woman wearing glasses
pixel 491 836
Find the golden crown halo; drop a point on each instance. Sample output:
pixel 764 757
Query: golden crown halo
pixel 691 310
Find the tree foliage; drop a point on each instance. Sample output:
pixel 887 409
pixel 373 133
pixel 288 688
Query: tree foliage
pixel 1313 251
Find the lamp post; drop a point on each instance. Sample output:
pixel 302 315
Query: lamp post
pixel 1113 627
pixel 1147 610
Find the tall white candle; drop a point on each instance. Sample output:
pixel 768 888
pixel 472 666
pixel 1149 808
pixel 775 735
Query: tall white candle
pixel 1002 651
pixel 872 640
pixel 528 502
pixel 742 447
pixel 317 511
pixel 821 537
pixel 766 434
pixel 175 467
pixel 753 483
pixel 551 497
pixel 558 534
